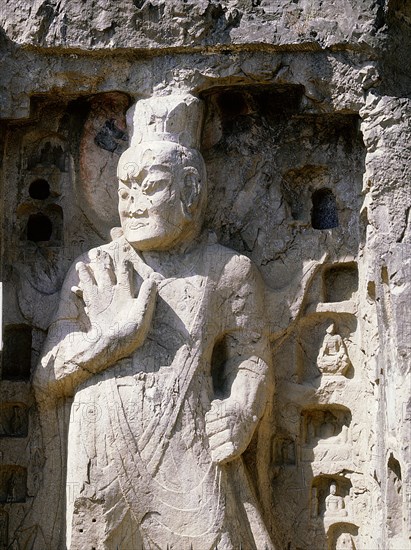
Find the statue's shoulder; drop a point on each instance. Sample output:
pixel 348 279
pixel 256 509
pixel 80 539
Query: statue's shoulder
pixel 232 266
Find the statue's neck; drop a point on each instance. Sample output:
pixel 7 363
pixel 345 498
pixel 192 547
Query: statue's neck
pixel 175 262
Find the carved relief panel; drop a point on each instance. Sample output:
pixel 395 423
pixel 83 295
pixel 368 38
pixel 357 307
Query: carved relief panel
pixel 285 207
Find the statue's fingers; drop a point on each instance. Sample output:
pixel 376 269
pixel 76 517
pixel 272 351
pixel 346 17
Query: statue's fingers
pixel 223 452
pixel 103 270
pixel 219 439
pixel 217 426
pixel 77 291
pixel 85 274
pixel 125 279
pixel 148 292
pixel 218 413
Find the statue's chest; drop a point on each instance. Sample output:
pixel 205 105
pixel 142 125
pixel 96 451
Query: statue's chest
pixel 180 319
pixel 180 304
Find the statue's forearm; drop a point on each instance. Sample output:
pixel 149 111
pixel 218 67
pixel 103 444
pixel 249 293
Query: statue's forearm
pixel 77 355
pixel 76 358
pixel 69 363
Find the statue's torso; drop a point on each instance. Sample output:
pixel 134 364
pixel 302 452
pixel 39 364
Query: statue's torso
pixel 148 431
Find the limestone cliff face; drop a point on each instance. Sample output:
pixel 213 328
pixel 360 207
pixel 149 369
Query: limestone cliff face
pixel 162 24
pixel 306 143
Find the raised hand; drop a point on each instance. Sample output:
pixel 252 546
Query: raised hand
pixel 113 311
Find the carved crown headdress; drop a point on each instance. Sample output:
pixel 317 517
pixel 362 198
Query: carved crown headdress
pixel 175 118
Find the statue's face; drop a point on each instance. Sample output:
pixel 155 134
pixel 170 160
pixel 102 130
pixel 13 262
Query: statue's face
pixel 330 329
pixel 151 210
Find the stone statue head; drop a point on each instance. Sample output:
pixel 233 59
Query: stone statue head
pixel 333 489
pixel 162 177
pixel 330 329
pixel 162 194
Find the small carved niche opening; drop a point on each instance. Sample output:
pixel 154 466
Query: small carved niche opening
pixel 233 103
pixel 16 362
pixel 39 189
pixel 394 497
pixel 340 282
pixel 296 186
pixel 324 213
pixel 342 536
pixel 325 425
pixel 13 420
pixel 13 483
pixel 284 452
pixel 45 226
pixel 39 228
pixel 330 496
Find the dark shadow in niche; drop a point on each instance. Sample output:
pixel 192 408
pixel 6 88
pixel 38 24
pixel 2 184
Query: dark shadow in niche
pixel 17 352
pixel 45 226
pixel 39 228
pixel 324 212
pixel 222 380
pixel 340 282
pixel 297 187
pixel 234 105
pixel 39 189
pixel 394 497
pixel 217 363
pixel 13 483
pixel 111 138
pixel 284 451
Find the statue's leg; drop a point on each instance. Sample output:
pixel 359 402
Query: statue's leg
pixel 104 522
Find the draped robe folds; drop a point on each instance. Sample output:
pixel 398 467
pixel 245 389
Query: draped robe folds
pixel 139 466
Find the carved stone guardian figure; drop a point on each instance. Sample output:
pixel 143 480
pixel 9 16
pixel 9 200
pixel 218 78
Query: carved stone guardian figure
pixel 157 426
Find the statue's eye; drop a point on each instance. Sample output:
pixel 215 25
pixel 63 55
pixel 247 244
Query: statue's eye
pixel 123 194
pixel 150 187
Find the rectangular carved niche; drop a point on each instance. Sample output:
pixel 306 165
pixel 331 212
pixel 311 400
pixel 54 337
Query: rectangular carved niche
pixel 13 483
pixel 324 486
pixel 16 362
pixel 325 425
pixel 13 420
pixel 284 451
pixel 340 282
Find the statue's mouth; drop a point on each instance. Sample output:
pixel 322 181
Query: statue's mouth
pixel 136 225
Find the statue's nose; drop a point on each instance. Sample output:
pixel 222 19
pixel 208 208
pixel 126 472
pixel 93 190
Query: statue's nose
pixel 137 205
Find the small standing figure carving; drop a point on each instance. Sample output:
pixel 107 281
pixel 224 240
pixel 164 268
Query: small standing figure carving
pixel 332 357
pixel 314 502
